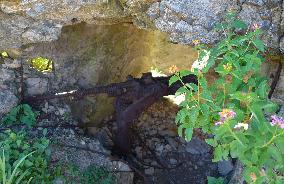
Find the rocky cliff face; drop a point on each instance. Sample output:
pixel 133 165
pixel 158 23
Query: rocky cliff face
pixel 89 39
pixel 186 20
pixel 30 21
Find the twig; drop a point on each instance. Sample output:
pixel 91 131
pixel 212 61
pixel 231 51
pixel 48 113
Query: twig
pixel 275 80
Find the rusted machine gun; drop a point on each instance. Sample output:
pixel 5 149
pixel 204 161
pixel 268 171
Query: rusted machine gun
pixel 132 97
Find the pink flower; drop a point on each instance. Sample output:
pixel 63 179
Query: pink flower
pixel 277 120
pixel 219 123
pixel 226 114
pixel 255 26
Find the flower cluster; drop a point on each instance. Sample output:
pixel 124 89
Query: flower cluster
pixel 276 120
pixel 226 114
pixel 228 67
pixel 196 42
pixel 255 26
pixel 173 69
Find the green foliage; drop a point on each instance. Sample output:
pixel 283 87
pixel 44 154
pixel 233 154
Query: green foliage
pixel 42 64
pixel 212 180
pixel 33 168
pixel 8 176
pixel 20 114
pixel 93 174
pixel 233 108
pixel 97 175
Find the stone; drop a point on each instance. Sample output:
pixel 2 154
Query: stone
pixel 159 149
pixel 237 176
pixel 83 159
pixel 149 171
pixel 282 45
pixel 8 101
pixel 171 133
pixel 281 111
pixel 153 11
pixel 13 64
pixel 42 31
pixel 42 20
pixel 196 146
pixel 58 181
pixel 256 2
pixel 225 167
pixel 138 151
pixel 36 86
pixel 6 75
pixel 172 142
pixel 173 161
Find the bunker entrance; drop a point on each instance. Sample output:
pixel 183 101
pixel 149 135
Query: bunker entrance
pixel 88 55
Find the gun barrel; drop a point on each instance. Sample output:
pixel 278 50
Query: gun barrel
pixel 115 89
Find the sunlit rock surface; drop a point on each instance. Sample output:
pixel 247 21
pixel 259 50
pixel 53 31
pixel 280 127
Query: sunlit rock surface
pixel 8 90
pixel 86 55
pixel 30 21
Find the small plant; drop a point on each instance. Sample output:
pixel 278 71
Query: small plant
pixel 36 166
pixel 234 106
pixel 93 174
pixel 10 177
pixel 41 64
pixel 21 114
pixel 97 175
pixel 212 180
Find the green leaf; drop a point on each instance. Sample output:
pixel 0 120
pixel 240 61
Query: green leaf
pixel 275 153
pixel 173 79
pixel 259 44
pixel 211 142
pixel 239 24
pixel 212 180
pixel 181 90
pixel 184 73
pixel 205 109
pixel 194 112
pixel 262 89
pixel 203 82
pixel 181 129
pixel 257 112
pixel 192 86
pixel 188 134
pixel 207 96
pixel 267 106
pixel 217 154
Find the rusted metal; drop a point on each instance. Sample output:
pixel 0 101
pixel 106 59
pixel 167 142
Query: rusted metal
pixel 132 97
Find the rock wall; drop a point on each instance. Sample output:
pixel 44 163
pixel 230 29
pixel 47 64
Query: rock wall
pixel 86 55
pixel 97 42
pixel 186 20
pixel 30 21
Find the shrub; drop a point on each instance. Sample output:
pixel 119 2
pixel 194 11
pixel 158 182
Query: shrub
pixel 7 176
pixel 21 114
pixel 35 167
pixel 234 106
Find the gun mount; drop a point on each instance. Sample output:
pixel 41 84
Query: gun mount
pixel 132 97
